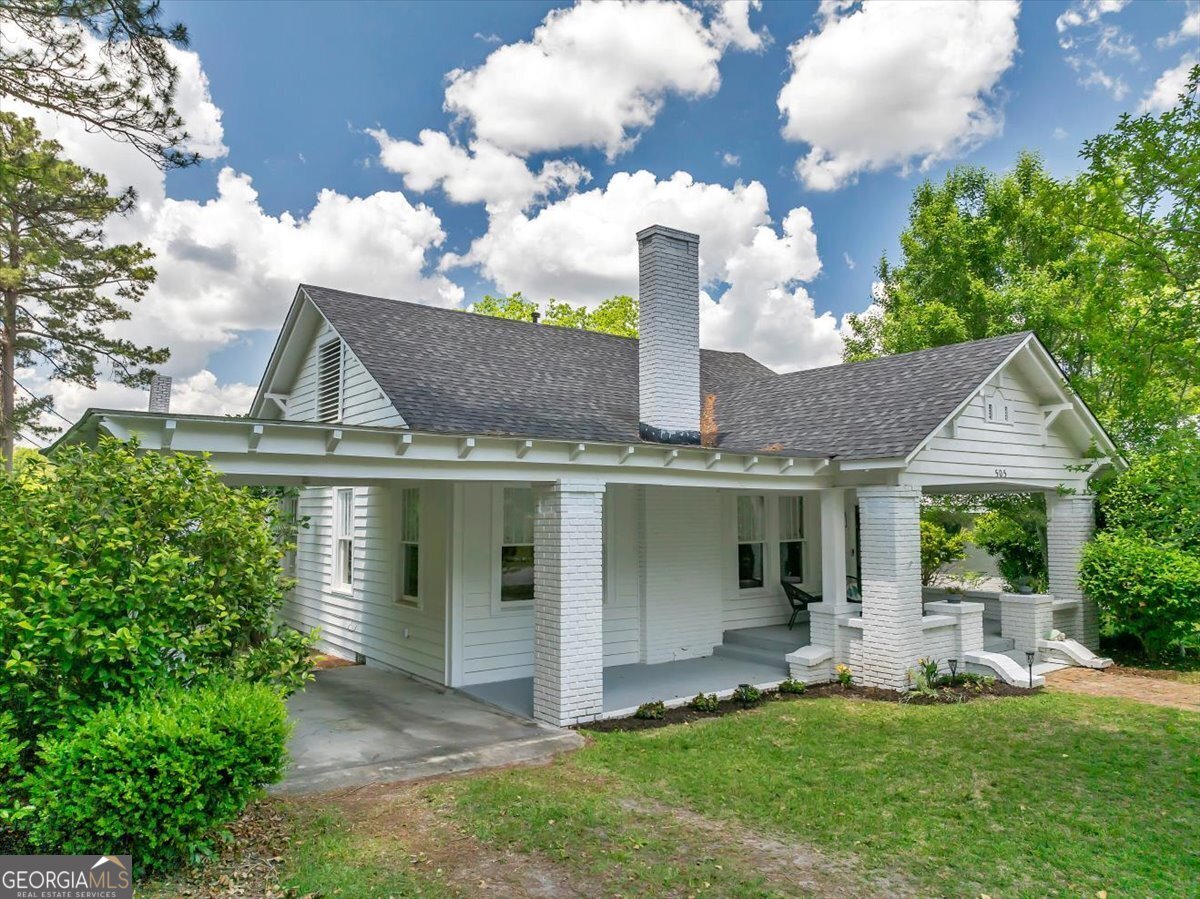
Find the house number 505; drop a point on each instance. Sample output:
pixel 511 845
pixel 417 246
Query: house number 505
pixel 1001 472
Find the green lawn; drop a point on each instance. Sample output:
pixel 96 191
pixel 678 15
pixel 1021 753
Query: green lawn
pixel 1052 795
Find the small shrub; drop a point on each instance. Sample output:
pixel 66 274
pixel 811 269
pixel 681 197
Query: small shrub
pixel 651 711
pixel 13 809
pixel 747 695
pixel 844 675
pixel 705 702
pixel 155 778
pixel 795 687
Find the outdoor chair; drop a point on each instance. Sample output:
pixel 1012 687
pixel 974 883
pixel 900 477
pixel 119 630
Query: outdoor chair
pixel 798 598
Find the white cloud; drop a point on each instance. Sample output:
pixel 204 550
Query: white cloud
pixel 731 159
pixel 582 248
pixel 1090 41
pixel 849 260
pixel 890 84
pixel 1059 133
pixel 489 38
pixel 1189 29
pixel 731 25
pixel 595 74
pixel 478 174
pixel 1170 84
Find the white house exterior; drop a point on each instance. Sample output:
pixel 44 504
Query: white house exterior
pixel 501 503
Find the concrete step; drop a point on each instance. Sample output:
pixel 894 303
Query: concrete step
pixel 751 653
pixel 998 644
pixel 1040 668
pixel 778 640
pixel 1002 666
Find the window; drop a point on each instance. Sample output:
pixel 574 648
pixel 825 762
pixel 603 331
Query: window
pixel 408 586
pixel 750 541
pixel 289 519
pixel 343 538
pixel 791 539
pixel 516 545
pixel 329 380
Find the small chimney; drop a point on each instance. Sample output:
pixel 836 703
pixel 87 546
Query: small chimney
pixel 669 349
pixel 160 394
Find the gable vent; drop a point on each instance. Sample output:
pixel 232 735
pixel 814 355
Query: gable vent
pixel 329 380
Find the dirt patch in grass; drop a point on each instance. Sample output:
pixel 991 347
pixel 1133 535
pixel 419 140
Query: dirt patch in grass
pixel 406 819
pixel 247 864
pixel 958 693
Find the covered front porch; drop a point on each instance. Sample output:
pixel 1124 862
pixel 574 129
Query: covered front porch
pixel 752 656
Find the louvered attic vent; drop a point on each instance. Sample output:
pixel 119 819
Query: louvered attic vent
pixel 329 380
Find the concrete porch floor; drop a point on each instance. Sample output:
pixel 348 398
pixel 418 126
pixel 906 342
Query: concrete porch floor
pixel 360 725
pixel 628 686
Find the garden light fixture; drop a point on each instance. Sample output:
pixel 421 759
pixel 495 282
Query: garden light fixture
pixel 1029 654
pixel 953 663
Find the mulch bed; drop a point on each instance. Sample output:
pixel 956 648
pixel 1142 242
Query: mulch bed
pixel 686 715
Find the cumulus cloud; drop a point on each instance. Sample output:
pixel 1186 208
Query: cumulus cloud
pixel 1188 30
pixel 480 173
pixel 1170 84
pixel 731 159
pixel 892 84
pixel 581 248
pixel 595 74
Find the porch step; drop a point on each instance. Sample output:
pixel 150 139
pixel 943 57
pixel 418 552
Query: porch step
pixel 776 639
pixel 1042 668
pixel 999 644
pixel 752 653
pixel 1002 666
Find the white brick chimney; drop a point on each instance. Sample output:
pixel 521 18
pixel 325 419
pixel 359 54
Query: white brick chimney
pixel 669 349
pixel 160 394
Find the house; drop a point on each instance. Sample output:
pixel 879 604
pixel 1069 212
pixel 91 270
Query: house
pixel 570 523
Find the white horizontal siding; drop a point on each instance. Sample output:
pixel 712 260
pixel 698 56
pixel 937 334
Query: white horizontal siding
pixel 368 620
pixel 681 577
pixel 363 400
pixel 974 449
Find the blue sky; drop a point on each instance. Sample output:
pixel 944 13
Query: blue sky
pixel 284 96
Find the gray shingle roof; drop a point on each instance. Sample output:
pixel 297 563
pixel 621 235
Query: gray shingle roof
pixel 449 371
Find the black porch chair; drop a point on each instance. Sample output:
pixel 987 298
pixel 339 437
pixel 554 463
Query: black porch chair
pixel 798 598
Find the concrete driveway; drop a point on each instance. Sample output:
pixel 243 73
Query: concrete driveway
pixel 360 725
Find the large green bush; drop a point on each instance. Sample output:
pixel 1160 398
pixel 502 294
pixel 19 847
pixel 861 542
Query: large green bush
pixel 123 571
pixel 1013 530
pixel 1145 589
pixel 1143 568
pixel 158 777
pixel 939 547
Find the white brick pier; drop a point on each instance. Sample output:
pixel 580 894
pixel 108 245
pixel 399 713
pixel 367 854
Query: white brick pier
pixel 1070 519
pixel 890 548
pixel 568 594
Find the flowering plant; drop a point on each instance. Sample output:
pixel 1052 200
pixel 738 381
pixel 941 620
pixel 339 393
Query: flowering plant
pixel 844 675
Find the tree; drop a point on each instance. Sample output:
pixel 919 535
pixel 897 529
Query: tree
pixel 617 315
pixel 61 285
pixel 103 62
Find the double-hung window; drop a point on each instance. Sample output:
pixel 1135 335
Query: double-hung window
pixel 791 539
pixel 343 538
pixel 408 587
pixel 516 545
pixel 751 540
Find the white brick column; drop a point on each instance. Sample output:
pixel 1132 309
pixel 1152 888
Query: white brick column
pixel 1070 520
pixel 890 551
pixel 568 591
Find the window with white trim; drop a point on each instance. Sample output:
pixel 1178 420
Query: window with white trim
pixel 751 541
pixel 330 361
pixel 516 545
pixel 343 538
pixel 408 555
pixel 791 539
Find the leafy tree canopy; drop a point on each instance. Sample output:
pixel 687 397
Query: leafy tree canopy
pixel 617 315
pixel 103 62
pixel 1104 267
pixel 61 283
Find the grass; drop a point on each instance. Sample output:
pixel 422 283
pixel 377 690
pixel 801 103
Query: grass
pixel 1051 795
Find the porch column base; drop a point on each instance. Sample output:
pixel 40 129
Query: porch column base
pixel 968 632
pixel 890 553
pixel 1026 618
pixel 568 652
